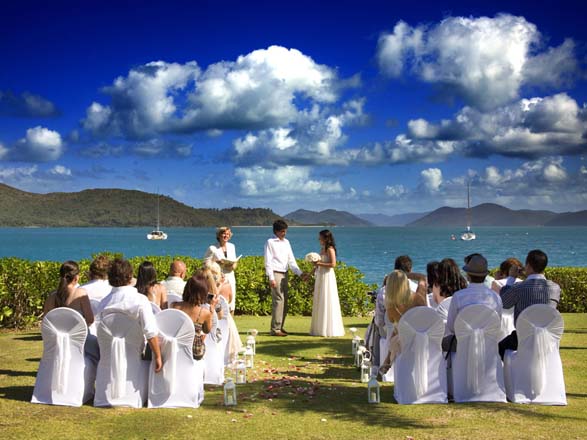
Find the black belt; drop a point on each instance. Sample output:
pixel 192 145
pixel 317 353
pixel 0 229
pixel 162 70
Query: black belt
pixel 277 271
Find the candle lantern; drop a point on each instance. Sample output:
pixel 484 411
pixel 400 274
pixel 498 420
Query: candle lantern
pixel 373 390
pixel 359 355
pixel 253 332
pixel 251 343
pixel 229 393
pixel 366 367
pixel 241 373
pixel 249 357
pixel 355 340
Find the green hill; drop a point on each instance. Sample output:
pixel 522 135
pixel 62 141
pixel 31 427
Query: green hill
pixel 326 217
pixel 116 207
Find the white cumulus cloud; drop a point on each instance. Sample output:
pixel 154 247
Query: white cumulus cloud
pixel 39 145
pixel 485 61
pixel 431 179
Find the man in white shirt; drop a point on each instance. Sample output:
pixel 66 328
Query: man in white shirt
pixel 126 298
pixel 279 258
pixel 175 281
pixel 98 286
pixel 475 293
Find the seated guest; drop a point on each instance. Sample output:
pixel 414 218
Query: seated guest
pixel 98 286
pixel 507 315
pixel 147 285
pixel 431 279
pixel 475 293
pixel 404 263
pixel 175 281
pixel 125 298
pixel 536 289
pixel 194 297
pixel 449 280
pixel 398 300
pixel 69 294
pixel 488 278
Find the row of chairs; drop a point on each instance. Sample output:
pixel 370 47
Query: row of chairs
pixel 475 372
pixel 69 377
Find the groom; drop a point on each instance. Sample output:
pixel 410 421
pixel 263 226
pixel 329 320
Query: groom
pixel 278 258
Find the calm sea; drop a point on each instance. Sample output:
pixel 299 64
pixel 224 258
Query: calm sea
pixel 372 250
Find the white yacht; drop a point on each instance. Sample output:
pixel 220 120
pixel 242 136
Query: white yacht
pixel 468 235
pixel 157 234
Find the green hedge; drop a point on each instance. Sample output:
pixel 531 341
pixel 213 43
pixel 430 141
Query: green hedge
pixel 24 286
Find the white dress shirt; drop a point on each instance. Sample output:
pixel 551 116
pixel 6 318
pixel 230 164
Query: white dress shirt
pixel 476 293
pixel 97 289
pixel 174 285
pixel 127 299
pixel 279 257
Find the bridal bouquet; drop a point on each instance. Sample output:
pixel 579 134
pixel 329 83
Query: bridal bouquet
pixel 313 257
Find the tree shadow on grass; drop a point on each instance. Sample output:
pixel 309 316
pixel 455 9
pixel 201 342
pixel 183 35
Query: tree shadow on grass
pixel 573 348
pixel 13 373
pixel 19 393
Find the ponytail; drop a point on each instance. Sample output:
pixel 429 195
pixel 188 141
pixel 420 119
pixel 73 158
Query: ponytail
pixel 67 272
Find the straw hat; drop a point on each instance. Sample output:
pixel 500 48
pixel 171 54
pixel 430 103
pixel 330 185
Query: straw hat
pixel 477 266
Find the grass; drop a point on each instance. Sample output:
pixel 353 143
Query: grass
pixel 302 387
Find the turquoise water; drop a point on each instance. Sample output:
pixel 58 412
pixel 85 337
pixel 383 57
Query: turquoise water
pixel 371 250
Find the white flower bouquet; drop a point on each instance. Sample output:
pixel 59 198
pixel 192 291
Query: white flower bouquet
pixel 313 257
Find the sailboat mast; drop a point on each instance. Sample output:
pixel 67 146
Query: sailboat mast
pixel 157 211
pixel 468 206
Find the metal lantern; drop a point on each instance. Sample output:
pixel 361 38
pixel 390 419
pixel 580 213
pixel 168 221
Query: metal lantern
pixel 366 367
pixel 359 355
pixel 229 393
pixel 249 357
pixel 373 390
pixel 251 343
pixel 240 373
pixel 355 340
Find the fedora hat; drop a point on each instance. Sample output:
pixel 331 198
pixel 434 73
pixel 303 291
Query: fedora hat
pixel 477 266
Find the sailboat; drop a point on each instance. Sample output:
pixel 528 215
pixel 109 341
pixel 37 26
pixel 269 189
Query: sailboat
pixel 468 235
pixel 157 234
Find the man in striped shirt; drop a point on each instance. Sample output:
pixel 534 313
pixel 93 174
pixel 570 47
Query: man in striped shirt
pixel 536 289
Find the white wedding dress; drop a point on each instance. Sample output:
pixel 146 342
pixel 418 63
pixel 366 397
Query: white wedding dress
pixel 326 315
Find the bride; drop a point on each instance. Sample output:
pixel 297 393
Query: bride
pixel 326 315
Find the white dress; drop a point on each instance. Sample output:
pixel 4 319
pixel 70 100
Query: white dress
pixel 326 315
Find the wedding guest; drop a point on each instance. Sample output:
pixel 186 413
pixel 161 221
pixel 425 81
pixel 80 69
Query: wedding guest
pixel 98 286
pixel 147 285
pixel 224 253
pixel 449 280
pixel 194 296
pixel 431 279
pixel 175 281
pixel 475 293
pixel 279 258
pixel 536 289
pixel 488 278
pixel 124 297
pixel 404 262
pixel 69 294
pixel 398 300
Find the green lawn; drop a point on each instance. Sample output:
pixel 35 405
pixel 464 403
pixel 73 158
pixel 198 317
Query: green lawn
pixel 302 387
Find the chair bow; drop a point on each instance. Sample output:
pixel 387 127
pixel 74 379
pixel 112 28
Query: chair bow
pixel 118 367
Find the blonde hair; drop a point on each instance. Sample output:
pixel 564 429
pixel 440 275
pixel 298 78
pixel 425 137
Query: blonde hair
pixel 221 230
pixel 397 290
pixel 214 267
pixel 207 276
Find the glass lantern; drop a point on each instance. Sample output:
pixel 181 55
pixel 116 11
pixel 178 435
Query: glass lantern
pixel 253 332
pixel 251 343
pixel 355 340
pixel 249 357
pixel 359 355
pixel 373 390
pixel 240 373
pixel 366 367
pixel 229 393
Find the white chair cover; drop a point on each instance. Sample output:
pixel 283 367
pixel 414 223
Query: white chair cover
pixel 122 375
pixel 477 370
pixel 507 321
pixel 420 371
pixel 214 357
pixel 172 298
pixel 95 305
pixel 65 376
pixel 179 382
pixel 156 309
pixel 534 373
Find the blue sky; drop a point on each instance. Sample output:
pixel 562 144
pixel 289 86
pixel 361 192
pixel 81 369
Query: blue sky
pixel 365 106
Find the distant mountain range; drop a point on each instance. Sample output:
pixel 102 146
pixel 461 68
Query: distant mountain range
pixel 490 214
pixel 116 207
pixel 327 217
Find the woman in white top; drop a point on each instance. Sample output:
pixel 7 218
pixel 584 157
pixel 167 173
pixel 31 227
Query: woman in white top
pixel 224 253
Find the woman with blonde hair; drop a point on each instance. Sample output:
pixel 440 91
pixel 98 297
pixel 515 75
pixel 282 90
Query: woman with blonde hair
pixel 224 253
pixel 398 300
